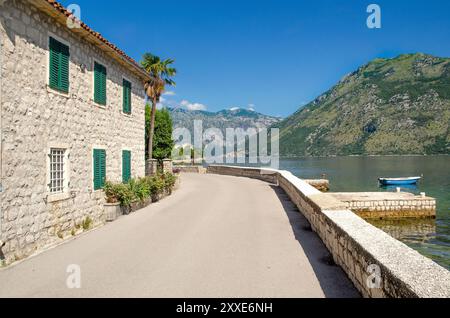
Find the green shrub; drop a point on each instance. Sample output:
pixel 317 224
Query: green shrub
pixel 140 189
pixel 169 181
pixel 87 223
pixel 110 192
pixel 156 185
pixel 118 192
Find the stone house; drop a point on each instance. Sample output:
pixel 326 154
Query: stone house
pixel 72 111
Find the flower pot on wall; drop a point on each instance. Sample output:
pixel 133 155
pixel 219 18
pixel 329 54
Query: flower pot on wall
pixel 134 206
pixel 157 197
pixel 138 205
pixel 112 211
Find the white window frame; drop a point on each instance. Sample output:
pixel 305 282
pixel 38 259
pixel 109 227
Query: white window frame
pixel 64 194
pixel 65 42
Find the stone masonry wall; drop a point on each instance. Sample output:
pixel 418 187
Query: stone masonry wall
pixel 377 264
pixel 35 118
pixel 167 166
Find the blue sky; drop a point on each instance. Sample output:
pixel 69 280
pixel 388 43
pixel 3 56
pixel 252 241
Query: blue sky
pixel 272 55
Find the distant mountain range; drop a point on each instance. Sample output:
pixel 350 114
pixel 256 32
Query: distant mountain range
pixel 389 106
pixel 232 118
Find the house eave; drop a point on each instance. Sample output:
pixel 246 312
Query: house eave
pixel 61 15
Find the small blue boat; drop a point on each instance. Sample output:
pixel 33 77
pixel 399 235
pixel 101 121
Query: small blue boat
pixel 399 181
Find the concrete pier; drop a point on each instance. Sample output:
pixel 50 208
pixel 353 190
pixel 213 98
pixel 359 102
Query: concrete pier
pixel 322 185
pixel 388 205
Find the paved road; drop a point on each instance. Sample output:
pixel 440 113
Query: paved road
pixel 217 236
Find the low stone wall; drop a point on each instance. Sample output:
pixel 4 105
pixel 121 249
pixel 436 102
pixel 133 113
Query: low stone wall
pixel 190 169
pixel 256 173
pixel 377 264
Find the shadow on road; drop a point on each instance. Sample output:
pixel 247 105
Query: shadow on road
pixel 333 281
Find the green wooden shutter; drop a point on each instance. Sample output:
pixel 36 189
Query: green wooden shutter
pixel 96 83
pixel 99 168
pixel 126 97
pixel 126 166
pixel 64 68
pixel 54 63
pixel 103 167
pixel 99 84
pixel 104 84
pixel 59 65
pixel 96 168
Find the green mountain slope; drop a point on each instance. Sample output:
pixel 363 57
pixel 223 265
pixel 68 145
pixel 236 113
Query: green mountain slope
pixel 389 106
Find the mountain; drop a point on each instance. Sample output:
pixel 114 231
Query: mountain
pixel 389 106
pixel 233 118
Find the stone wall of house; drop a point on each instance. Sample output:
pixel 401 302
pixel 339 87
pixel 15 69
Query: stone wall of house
pixel 377 264
pixel 35 118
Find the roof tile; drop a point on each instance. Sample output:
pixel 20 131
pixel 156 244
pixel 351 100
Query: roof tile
pixel 59 7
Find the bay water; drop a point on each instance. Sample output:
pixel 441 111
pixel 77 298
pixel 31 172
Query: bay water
pixel 430 237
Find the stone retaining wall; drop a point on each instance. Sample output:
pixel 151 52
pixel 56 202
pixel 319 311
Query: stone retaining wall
pixel 360 249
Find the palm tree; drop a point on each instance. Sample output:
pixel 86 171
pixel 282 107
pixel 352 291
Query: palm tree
pixel 161 72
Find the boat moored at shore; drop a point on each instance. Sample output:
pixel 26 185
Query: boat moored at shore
pixel 399 181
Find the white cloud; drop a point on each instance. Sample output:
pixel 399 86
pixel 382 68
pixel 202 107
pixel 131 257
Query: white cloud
pixel 192 106
pixel 234 108
pixel 162 102
pixel 169 93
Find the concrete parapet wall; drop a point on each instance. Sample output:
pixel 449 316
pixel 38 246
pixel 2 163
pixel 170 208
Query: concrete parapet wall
pixel 256 173
pixel 360 249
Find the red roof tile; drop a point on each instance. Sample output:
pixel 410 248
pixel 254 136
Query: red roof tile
pixel 59 7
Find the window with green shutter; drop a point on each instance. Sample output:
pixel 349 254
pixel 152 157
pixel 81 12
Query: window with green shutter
pixel 99 166
pixel 126 97
pixel 99 84
pixel 126 166
pixel 59 65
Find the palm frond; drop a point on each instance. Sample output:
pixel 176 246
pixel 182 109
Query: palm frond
pixel 162 74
